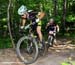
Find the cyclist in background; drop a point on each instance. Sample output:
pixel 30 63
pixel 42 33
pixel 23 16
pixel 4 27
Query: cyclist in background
pixel 34 17
pixel 52 27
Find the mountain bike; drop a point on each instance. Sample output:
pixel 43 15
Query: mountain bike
pixel 51 38
pixel 28 46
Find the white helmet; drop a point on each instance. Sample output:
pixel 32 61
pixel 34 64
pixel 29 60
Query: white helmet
pixel 30 10
pixel 22 10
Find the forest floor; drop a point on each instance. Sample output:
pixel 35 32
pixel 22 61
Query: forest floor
pixel 57 55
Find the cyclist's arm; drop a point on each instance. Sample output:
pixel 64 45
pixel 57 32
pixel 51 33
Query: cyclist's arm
pixel 47 25
pixel 23 20
pixel 41 15
pixel 57 26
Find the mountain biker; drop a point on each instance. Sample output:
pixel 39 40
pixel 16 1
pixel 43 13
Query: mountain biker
pixel 52 28
pixel 33 16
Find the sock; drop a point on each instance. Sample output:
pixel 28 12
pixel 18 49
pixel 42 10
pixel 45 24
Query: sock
pixel 22 27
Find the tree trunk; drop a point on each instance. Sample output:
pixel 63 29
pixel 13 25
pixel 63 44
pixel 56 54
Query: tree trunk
pixel 64 15
pixel 9 20
pixel 55 7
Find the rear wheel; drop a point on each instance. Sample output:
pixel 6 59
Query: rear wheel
pixel 43 49
pixel 27 49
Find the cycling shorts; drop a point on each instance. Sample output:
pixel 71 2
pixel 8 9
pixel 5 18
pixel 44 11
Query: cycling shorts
pixel 35 25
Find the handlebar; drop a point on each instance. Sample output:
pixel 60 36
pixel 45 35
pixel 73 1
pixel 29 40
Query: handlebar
pixel 27 26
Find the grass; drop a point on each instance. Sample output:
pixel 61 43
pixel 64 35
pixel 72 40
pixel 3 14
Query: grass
pixel 5 42
pixel 68 63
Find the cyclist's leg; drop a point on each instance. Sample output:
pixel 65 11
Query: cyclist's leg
pixel 40 36
pixel 42 46
pixel 38 29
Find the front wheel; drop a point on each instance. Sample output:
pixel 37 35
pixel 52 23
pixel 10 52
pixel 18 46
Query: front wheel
pixel 50 40
pixel 27 49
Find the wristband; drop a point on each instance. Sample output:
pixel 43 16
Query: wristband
pixel 37 20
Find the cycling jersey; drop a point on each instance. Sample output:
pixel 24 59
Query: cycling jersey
pixel 51 27
pixel 32 16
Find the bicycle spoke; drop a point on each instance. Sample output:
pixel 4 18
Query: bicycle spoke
pixel 27 50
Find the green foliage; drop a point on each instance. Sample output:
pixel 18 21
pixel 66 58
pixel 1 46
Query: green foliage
pixel 5 42
pixel 44 5
pixel 70 18
pixel 68 63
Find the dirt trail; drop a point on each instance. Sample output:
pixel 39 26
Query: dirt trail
pixel 55 56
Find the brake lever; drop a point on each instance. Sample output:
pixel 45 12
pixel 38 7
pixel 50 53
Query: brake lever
pixel 26 27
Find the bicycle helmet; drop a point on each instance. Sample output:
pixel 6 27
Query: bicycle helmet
pixel 30 10
pixel 22 10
